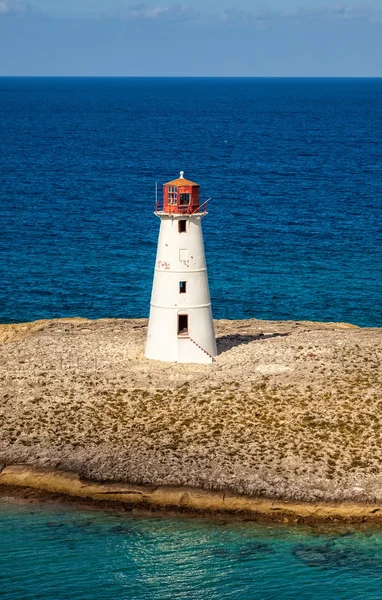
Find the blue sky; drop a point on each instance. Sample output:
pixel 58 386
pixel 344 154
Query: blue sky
pixel 193 38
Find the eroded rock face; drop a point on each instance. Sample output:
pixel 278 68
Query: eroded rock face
pixel 286 410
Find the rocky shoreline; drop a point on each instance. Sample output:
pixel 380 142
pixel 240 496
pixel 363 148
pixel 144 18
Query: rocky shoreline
pixel 288 414
pixel 189 500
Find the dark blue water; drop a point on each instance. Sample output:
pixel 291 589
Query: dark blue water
pixel 293 166
pixel 60 553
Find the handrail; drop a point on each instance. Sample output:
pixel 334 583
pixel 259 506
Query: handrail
pixel 186 336
pixel 201 206
pixel 183 209
pixel 202 349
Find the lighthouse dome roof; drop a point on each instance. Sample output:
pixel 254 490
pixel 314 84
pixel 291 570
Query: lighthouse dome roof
pixel 182 181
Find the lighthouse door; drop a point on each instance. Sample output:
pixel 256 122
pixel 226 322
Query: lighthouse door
pixel 182 324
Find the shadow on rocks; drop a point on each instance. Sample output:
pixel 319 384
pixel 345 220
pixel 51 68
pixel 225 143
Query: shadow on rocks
pixel 226 342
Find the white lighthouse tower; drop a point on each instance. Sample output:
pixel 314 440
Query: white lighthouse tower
pixel 181 327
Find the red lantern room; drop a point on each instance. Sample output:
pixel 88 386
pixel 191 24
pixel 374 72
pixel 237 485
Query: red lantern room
pixel 181 196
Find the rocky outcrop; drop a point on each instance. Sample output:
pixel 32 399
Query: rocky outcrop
pixel 287 411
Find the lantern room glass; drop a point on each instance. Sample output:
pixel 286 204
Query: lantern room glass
pixel 184 199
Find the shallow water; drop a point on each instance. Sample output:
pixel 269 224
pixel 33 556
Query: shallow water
pixel 59 551
pixel 294 168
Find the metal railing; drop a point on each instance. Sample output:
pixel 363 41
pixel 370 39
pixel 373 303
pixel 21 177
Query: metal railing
pixel 182 210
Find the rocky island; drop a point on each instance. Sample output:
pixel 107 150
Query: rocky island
pixel 287 419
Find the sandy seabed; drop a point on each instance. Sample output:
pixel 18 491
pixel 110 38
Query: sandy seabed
pixel 288 413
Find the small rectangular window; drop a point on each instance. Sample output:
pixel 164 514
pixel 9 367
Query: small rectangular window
pixel 182 287
pixel 172 195
pixel 182 226
pixel 182 324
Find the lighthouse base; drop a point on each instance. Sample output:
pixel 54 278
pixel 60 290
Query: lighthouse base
pixel 187 352
pixel 168 342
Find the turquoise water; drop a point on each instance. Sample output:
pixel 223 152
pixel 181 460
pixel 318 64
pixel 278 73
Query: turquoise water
pixel 52 551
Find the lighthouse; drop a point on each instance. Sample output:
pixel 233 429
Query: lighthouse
pixel 181 327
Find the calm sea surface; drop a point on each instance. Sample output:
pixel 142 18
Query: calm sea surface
pixel 61 553
pixel 293 166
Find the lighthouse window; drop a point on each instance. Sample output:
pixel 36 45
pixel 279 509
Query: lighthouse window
pixel 184 199
pixel 172 195
pixel 182 287
pixel 182 324
pixel 182 225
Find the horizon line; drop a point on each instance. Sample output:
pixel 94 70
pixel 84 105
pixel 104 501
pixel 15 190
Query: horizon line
pixel 190 76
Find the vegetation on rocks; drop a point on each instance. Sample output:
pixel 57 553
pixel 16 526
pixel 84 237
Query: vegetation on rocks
pixel 287 410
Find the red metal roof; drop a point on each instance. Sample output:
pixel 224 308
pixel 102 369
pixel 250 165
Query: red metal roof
pixel 181 181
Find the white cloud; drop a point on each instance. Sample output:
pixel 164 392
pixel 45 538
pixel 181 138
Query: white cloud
pixel 234 15
pixel 241 17
pixel 11 8
pixel 175 12
pixel 343 12
pixel 257 19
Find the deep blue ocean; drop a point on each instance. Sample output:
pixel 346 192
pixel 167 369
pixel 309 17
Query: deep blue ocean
pixel 62 553
pixel 293 167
